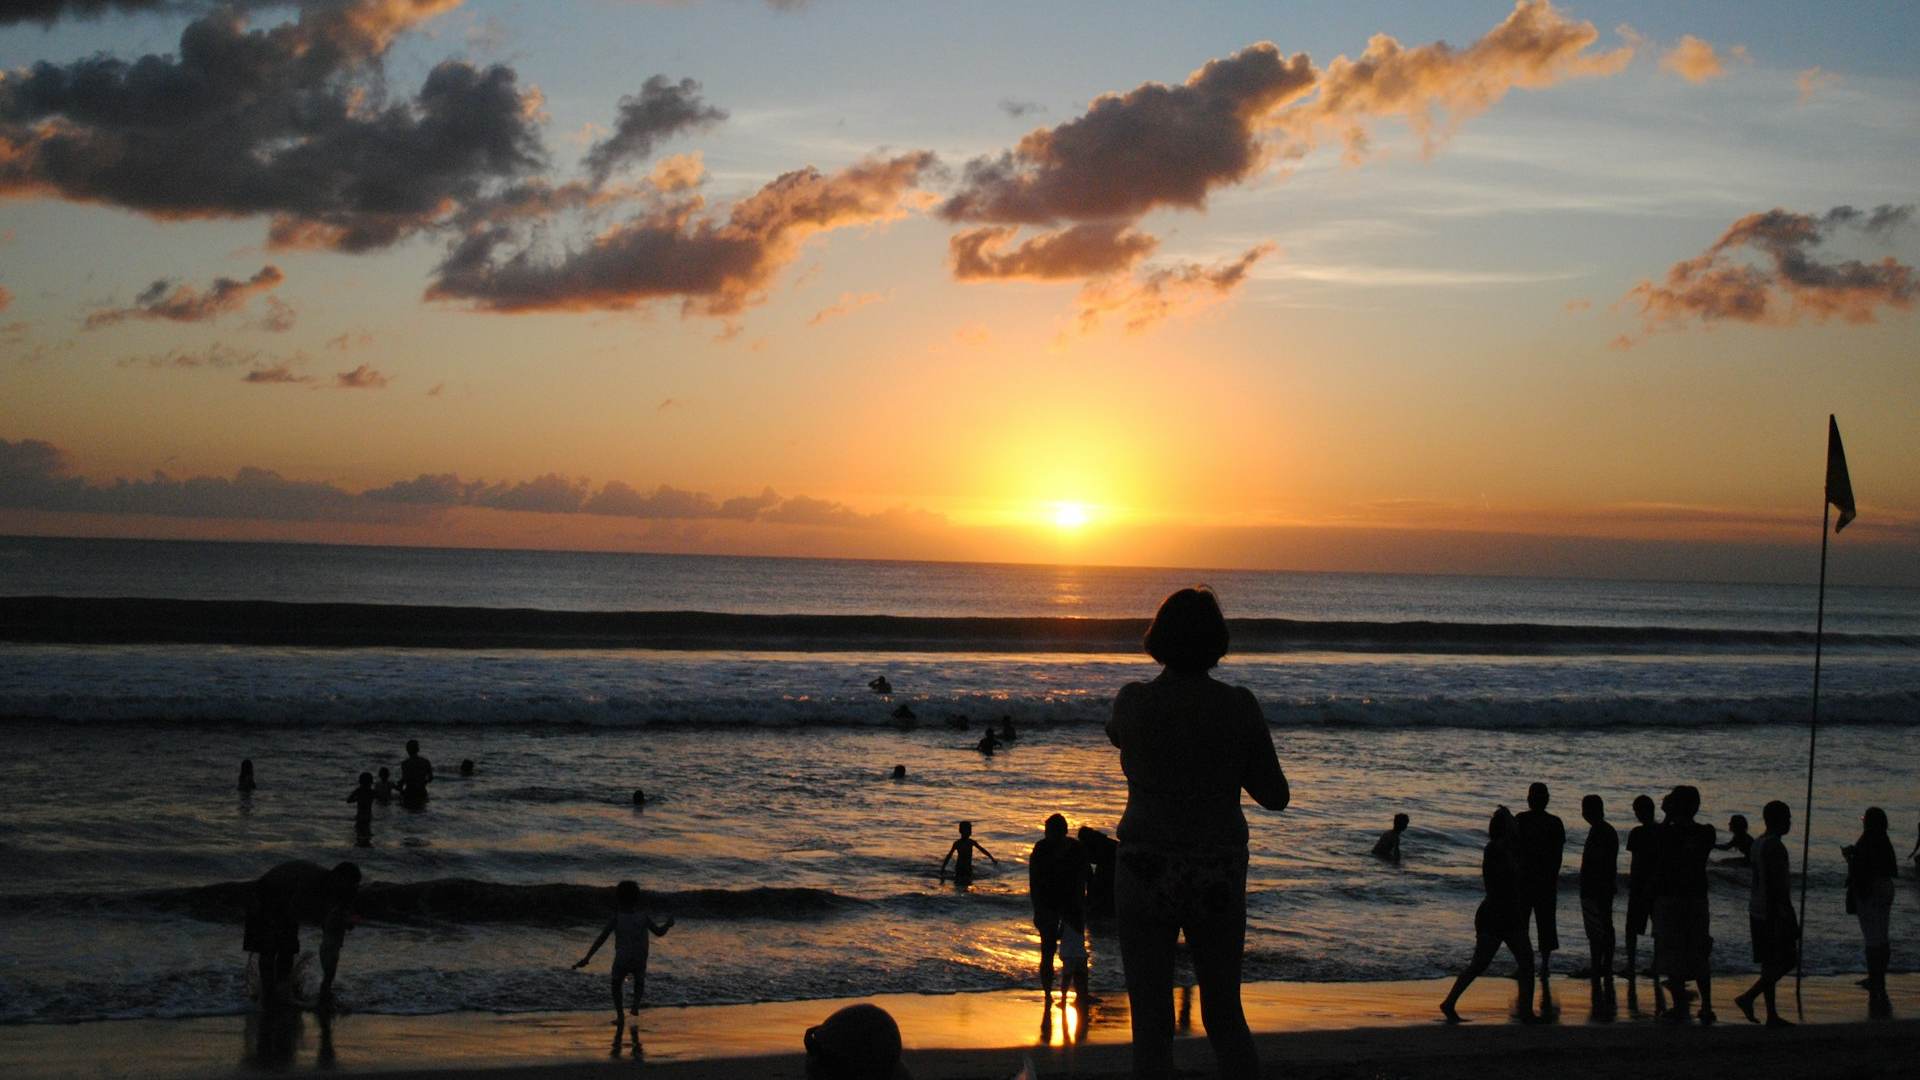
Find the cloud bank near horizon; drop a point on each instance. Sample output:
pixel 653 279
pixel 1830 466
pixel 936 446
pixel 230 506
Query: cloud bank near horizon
pixel 34 475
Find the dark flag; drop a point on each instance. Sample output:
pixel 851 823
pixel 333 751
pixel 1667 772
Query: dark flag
pixel 1839 486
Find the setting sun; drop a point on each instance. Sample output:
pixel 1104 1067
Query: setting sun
pixel 1069 515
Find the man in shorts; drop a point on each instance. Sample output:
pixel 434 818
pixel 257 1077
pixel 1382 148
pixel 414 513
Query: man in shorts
pixel 1643 871
pixel 1776 932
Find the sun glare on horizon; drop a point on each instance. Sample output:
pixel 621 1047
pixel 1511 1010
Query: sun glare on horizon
pixel 1070 516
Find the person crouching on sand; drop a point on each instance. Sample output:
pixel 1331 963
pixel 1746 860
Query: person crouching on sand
pixel 629 928
pixel 1501 919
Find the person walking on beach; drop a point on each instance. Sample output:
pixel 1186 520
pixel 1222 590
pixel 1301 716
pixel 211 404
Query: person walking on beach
pixel 629 927
pixel 1870 874
pixel 416 772
pixel 363 798
pixel 1642 871
pixel 1599 871
pixel 1680 915
pixel 1500 920
pixel 1057 886
pixel 1543 846
pixel 1776 932
pixel 1388 846
pixel 1188 745
pixel 961 855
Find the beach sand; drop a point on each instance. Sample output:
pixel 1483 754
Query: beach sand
pixel 1307 1030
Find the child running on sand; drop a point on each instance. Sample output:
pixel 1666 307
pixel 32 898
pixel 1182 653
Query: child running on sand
pixel 629 928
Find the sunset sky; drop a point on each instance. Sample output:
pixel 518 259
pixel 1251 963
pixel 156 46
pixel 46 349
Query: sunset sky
pixel 1464 287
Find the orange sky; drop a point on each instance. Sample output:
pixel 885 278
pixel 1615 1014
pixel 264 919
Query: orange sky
pixel 1558 298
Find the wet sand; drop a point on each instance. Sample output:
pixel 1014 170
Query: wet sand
pixel 1307 1030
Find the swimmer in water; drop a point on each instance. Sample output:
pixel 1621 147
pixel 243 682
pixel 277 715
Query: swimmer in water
pixel 639 798
pixel 961 855
pixel 246 776
pixel 383 787
pixel 880 685
pixel 1738 840
pixel 1388 846
pixel 466 767
pixel 903 713
pixel 987 744
pixel 899 772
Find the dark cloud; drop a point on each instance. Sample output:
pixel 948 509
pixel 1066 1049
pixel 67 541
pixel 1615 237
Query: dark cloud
pixel 50 11
pixel 32 477
pixel 1159 147
pixel 549 494
pixel 1790 281
pixel 1080 251
pixel 291 121
pixel 1160 292
pixel 661 109
pixel 363 377
pixel 183 303
pixel 619 500
pixel 714 266
pixel 1154 146
pixel 275 375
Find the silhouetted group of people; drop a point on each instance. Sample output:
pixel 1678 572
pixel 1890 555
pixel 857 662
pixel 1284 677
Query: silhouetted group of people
pixel 1668 895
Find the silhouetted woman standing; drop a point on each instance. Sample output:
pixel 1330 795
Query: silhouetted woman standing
pixel 1188 744
pixel 1870 872
pixel 1501 918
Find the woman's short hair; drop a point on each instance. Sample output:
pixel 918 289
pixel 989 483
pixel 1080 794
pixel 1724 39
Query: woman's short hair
pixel 1188 633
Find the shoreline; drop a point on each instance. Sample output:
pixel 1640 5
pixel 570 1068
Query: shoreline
pixel 1327 1026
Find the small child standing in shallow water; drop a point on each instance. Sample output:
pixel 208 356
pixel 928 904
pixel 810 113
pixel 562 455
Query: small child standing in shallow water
pixel 362 797
pixel 629 928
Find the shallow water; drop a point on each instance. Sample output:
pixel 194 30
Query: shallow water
pixel 107 828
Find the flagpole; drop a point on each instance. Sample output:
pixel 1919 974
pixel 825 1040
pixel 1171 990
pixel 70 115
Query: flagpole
pixel 1813 735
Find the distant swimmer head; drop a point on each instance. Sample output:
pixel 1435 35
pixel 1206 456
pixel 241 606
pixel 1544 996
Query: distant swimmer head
pixel 639 797
pixel 366 779
pixel 627 895
pixel 1874 820
pixel 246 766
pixel 1643 808
pixel 899 772
pixel 966 828
pixel 1501 825
pixel 413 747
pixel 1400 822
pixel 466 767
pixel 1778 816
pixel 385 774
pixel 860 1042
pixel 1057 826
pixel 1188 634
pixel 1536 796
pixel 1592 808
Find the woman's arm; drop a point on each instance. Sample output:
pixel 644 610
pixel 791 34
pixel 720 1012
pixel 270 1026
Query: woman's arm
pixel 1264 779
pixel 660 929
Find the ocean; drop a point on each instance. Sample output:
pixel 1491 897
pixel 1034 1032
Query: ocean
pixel 795 866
